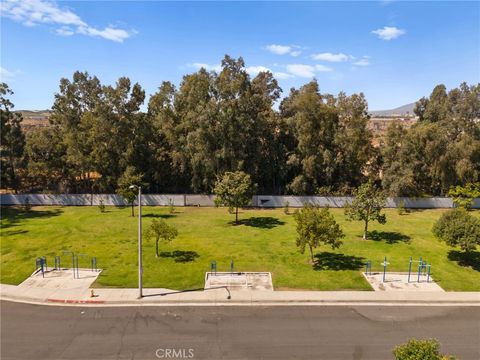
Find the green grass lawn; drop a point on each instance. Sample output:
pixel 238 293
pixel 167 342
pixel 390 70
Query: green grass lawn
pixel 265 241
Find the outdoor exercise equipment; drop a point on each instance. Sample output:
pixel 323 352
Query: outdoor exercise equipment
pixel 41 263
pixel 73 261
pixel 57 263
pixel 368 268
pixel 385 263
pixel 231 266
pixel 423 269
pixel 213 267
pixel 94 263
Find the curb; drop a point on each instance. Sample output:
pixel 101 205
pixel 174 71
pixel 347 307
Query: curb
pixel 104 303
pixel 65 301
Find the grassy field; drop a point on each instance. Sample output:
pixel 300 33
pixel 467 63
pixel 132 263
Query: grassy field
pixel 265 241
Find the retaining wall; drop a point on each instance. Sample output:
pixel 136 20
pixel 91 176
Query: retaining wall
pixel 262 201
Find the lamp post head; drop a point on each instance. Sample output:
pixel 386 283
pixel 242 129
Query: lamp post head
pixel 131 187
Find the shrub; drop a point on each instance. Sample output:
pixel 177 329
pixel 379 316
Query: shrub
pixel 458 228
pixel 101 206
pixel 27 206
pixel 171 206
pixel 428 349
pixel 286 208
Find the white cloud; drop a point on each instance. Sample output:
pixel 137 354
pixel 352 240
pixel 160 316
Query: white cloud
pixel 284 49
pixel 301 70
pixel 35 12
pixel 278 49
pixel 254 70
pixel 207 67
pixel 306 71
pixel 362 62
pixel 322 68
pixel 7 74
pixel 340 57
pixel 282 75
pixel 388 32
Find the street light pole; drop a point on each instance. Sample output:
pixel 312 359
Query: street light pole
pixel 140 269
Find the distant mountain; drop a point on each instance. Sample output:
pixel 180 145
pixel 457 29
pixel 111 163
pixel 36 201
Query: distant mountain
pixel 399 111
pixel 34 118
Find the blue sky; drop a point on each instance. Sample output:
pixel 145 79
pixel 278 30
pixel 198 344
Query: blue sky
pixel 394 52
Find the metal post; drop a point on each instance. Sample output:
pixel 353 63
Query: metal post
pixel 231 266
pixel 384 268
pixel 140 269
pixel 419 269
pixel 428 275
pixel 409 268
pixel 73 264
pixel 78 274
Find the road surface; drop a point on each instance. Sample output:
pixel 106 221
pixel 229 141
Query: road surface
pixel 282 332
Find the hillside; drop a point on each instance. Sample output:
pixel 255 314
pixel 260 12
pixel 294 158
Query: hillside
pixel 399 111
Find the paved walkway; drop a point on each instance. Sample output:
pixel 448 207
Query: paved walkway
pixel 59 287
pixel 220 296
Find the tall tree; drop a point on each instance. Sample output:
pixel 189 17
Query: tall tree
pixel 12 141
pixel 356 157
pixel 126 185
pixel 315 227
pixel 314 122
pixel 235 190
pixel 367 206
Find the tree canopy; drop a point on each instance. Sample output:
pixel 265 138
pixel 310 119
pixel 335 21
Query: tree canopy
pixel 235 190
pixel 367 206
pixel 316 226
pixel 306 143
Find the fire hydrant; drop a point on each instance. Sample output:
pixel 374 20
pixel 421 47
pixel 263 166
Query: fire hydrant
pixel 92 294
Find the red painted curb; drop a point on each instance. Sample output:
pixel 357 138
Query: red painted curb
pixel 76 301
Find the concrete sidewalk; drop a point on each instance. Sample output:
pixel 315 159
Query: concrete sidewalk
pixel 220 297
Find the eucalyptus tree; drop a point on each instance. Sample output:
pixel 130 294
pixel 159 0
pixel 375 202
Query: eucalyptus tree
pixel 12 141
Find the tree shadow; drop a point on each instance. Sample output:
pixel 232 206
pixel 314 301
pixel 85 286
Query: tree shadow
pixel 14 232
pixel 180 256
pixel 264 222
pixel 12 215
pixel 162 216
pixel 333 261
pixel 390 237
pixel 467 259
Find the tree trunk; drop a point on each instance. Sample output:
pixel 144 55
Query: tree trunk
pixel 311 253
pixel 236 215
pixel 156 249
pixel 133 213
pixel 365 231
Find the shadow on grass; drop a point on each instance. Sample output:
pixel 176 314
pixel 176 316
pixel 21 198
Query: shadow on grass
pixel 162 216
pixel 390 237
pixel 333 261
pixel 12 215
pixel 264 222
pixel 467 259
pixel 180 255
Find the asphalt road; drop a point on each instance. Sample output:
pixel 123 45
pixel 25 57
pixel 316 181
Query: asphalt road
pixel 309 332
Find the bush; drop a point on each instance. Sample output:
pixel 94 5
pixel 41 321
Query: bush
pixel 286 208
pixel 171 207
pixel 458 228
pixel 27 206
pixel 401 208
pixel 463 196
pixel 101 206
pixel 428 349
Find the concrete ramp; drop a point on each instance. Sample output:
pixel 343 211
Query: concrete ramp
pixel 239 280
